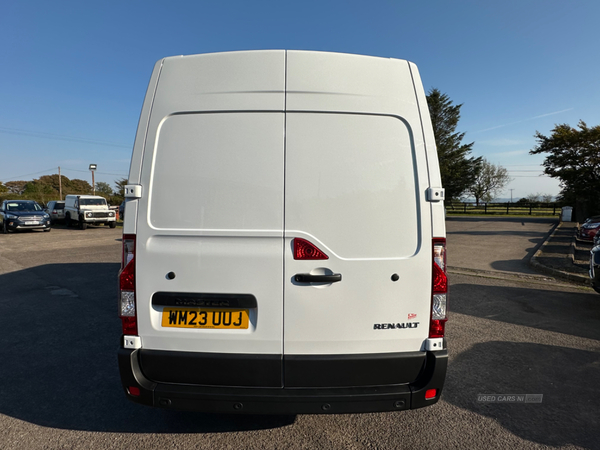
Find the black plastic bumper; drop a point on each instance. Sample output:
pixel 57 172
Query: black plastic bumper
pixel 278 400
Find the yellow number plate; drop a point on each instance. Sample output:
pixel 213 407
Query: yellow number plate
pixel 205 318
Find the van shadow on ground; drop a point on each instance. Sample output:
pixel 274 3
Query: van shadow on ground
pixel 566 377
pixel 565 374
pixel 520 265
pixel 60 336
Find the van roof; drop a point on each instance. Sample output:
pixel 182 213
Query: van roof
pixel 85 196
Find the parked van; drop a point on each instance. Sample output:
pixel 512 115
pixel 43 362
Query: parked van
pixel 284 242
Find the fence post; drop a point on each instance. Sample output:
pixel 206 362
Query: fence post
pixel 465 205
pixel 530 207
pixel 507 206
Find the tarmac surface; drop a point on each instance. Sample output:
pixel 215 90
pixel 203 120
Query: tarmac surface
pixel 563 256
pixel 493 246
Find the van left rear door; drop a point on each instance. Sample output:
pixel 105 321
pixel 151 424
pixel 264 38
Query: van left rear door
pixel 210 236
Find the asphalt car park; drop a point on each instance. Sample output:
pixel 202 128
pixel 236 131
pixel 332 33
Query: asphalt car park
pixel 509 332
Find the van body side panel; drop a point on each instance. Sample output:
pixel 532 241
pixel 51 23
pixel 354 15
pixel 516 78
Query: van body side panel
pixel 135 167
pixel 142 129
pixel 438 224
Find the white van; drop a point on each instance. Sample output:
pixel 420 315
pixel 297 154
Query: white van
pixel 284 237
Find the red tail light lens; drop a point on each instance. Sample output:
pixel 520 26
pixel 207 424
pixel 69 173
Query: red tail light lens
pixel 306 250
pixel 127 306
pixel 439 290
pixel 440 280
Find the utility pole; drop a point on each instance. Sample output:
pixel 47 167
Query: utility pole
pixel 59 184
pixel 511 194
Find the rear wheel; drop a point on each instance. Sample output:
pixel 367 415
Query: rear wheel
pixel 68 220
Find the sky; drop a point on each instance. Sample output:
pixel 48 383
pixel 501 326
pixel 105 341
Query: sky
pixel 73 74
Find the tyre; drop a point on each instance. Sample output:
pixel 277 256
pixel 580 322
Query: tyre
pixel 68 220
pixel 82 225
pixel 4 229
pixel 112 224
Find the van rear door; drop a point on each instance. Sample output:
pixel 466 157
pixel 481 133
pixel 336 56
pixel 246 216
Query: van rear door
pixel 351 191
pixel 355 183
pixel 210 234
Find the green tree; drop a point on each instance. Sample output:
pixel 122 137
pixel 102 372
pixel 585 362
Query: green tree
pixel 16 187
pixel 120 185
pixel 489 182
pixel 458 170
pixel 77 186
pixel 40 192
pixel 103 189
pixel 573 156
pixel 52 181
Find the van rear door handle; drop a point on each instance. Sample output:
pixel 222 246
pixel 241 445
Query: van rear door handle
pixel 308 278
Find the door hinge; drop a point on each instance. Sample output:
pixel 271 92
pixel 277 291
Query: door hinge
pixel 436 194
pixel 133 191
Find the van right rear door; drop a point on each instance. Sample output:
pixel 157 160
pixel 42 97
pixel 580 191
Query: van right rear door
pixel 354 188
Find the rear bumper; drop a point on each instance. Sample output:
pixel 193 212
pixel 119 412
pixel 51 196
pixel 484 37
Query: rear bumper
pixel 284 400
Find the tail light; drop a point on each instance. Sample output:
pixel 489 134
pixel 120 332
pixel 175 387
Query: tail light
pixel 439 291
pixel 127 309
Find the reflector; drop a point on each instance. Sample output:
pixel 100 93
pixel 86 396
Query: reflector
pixel 135 391
pixel 430 393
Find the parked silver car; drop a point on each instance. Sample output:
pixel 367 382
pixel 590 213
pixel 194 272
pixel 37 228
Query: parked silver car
pixel 56 210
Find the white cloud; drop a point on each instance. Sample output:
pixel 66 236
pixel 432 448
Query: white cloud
pixel 511 153
pixel 521 121
pixel 500 142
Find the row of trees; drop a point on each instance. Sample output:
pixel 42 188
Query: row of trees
pixel 48 188
pixel 462 174
pixel 573 157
